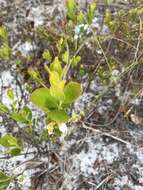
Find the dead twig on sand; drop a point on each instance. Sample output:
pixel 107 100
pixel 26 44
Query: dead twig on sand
pixel 105 134
pixel 103 181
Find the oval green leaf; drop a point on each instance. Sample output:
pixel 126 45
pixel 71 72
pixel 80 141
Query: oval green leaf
pixel 15 151
pixel 8 141
pixel 58 115
pixel 4 180
pixel 3 108
pixel 42 98
pixel 19 118
pixel 72 91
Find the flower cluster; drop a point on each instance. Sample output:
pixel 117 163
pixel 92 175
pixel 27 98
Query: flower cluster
pixel 80 30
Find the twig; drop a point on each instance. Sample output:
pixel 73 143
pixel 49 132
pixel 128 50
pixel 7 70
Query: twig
pixel 102 125
pixel 34 152
pixel 9 156
pixel 106 134
pixel 49 171
pixel 104 181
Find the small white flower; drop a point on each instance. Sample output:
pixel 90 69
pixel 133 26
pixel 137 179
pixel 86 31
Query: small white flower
pixel 77 30
pixel 85 26
pixel 63 128
pixel 76 37
pixel 95 23
pixel 81 25
pixel 115 72
pixel 95 20
pixel 88 31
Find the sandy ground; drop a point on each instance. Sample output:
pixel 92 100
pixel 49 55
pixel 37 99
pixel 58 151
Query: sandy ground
pixel 90 157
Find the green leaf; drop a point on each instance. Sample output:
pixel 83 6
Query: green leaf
pixel 108 16
pixel 72 91
pixel 23 116
pixel 26 112
pixel 46 55
pixel 5 51
pixel 54 78
pixel 60 45
pixel 58 116
pixel 15 151
pixel 56 66
pixel 19 118
pixel 91 12
pixel 80 18
pixel 8 141
pixel 57 92
pixel 11 142
pixel 33 73
pixel 10 94
pixel 42 98
pixel 18 61
pixel 71 9
pixel 21 178
pixel 57 86
pixel 3 33
pixel 3 108
pixel 76 60
pixel 65 57
pixel 4 180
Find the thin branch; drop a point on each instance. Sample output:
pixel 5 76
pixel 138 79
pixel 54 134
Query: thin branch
pixel 104 181
pixel 105 134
